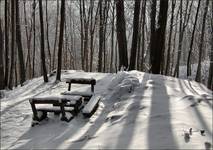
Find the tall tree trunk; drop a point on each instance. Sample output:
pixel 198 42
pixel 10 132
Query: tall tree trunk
pixel 34 38
pixel 112 37
pixel 182 27
pixel 92 30
pixel 6 43
pixel 42 42
pixel 198 74
pixel 82 35
pixel 135 35
pixel 192 41
pixel 121 35
pixel 100 37
pixel 152 35
pixel 47 36
pixel 210 78
pixel 19 45
pixel 160 36
pixel 170 38
pixel 60 45
pixel 1 59
pixel 56 36
pixel 143 34
pixel 28 37
pixel 12 64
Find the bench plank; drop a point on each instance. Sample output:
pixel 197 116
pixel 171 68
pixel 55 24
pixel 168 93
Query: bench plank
pixel 91 106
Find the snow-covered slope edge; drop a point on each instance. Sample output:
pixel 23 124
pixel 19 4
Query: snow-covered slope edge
pixel 138 110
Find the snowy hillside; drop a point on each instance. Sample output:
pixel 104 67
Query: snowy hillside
pixel 138 110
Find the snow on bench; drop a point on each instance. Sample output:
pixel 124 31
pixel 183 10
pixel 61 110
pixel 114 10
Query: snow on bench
pixel 90 81
pixel 86 95
pixel 57 98
pixel 91 106
pixel 61 104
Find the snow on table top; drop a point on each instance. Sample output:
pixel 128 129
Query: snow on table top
pixel 77 93
pixel 56 98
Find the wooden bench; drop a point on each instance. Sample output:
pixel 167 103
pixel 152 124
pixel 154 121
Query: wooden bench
pixel 91 106
pixel 60 104
pixel 86 95
pixel 90 81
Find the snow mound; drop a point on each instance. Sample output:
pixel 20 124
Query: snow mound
pixel 121 84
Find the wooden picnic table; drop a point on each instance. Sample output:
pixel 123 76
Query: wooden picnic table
pixel 60 104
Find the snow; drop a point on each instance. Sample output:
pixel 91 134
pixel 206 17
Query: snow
pixel 137 110
pixel 91 104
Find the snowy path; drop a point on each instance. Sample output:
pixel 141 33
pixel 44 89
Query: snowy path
pixel 138 110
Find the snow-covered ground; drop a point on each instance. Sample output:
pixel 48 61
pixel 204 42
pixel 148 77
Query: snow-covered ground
pixel 137 110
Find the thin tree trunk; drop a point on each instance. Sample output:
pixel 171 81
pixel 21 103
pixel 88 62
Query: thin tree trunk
pixel 1 59
pixel 28 36
pixel 42 42
pixel 6 43
pixel 170 38
pixel 152 35
pixel 198 74
pixel 143 35
pixel 19 45
pixel 12 64
pixel 183 24
pixel 56 36
pixel 135 35
pixel 34 38
pixel 60 45
pixel 100 37
pixel 121 35
pixel 82 36
pixel 112 37
pixel 47 36
pixel 192 40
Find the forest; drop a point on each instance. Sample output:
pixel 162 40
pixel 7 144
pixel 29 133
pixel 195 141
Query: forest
pixel 41 37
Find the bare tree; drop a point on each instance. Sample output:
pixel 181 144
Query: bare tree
pixel 198 74
pixel 153 30
pixel 121 34
pixel 19 45
pixel 60 45
pixel 157 53
pixel 210 78
pixel 170 38
pixel 56 35
pixel 12 64
pixel 192 41
pixel 135 35
pixel 1 59
pixel 101 25
pixel 34 38
pixel 47 36
pixel 42 42
pixel 6 43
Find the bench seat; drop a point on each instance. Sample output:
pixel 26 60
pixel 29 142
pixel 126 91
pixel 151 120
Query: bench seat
pixel 86 95
pixel 91 106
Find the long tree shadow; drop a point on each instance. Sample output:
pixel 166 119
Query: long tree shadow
pixel 200 117
pixel 160 134
pixel 128 129
pixel 92 130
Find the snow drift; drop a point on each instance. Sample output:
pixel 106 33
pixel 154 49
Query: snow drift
pixel 138 110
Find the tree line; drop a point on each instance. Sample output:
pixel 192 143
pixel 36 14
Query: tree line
pixel 42 37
